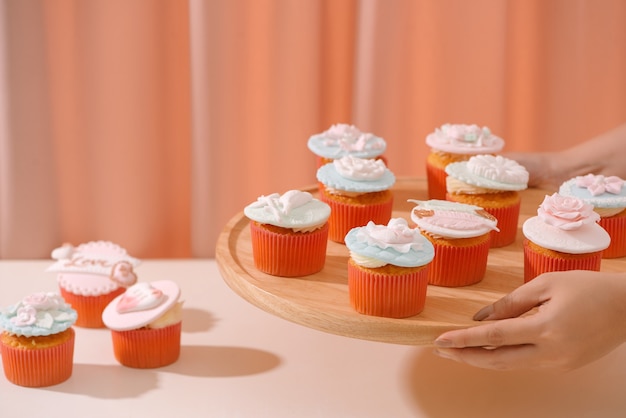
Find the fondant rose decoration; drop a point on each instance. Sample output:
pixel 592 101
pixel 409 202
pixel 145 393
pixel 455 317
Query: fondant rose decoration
pixel 278 205
pixel 44 301
pixel 467 133
pixel 600 184
pixel 396 234
pixel 496 167
pixel 566 213
pixel 123 274
pixel 358 169
pixel 348 137
pixel 26 315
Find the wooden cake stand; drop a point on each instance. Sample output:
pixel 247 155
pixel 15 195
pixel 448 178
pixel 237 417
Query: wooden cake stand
pixel 320 301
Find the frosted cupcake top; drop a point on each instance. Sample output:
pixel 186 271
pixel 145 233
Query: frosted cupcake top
pixel 452 220
pixel 597 190
pixel 566 224
pixel 464 139
pixel 342 139
pixel 94 268
pixel 144 304
pixel 395 243
pixel 294 209
pixel 486 171
pixel 353 174
pixel 38 314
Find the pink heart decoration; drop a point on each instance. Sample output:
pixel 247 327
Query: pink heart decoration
pixel 140 297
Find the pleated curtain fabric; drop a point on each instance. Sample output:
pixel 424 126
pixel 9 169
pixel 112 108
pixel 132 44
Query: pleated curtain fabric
pixel 152 123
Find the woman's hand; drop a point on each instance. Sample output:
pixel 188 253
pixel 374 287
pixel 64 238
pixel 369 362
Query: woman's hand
pixel 580 317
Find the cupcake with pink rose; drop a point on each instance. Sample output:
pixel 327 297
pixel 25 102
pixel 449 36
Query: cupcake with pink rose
pixel 342 139
pixel 607 195
pixel 37 341
pixel 91 275
pixel 565 235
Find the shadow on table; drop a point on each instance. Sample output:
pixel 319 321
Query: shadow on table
pixel 224 361
pixel 444 388
pixel 197 320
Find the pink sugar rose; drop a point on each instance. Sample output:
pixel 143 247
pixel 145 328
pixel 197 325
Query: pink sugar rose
pixel 43 301
pixel 566 213
pixel 26 315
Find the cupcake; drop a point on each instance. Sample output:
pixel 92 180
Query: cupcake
pixel 358 191
pixel 461 235
pixel 607 195
pixel 37 343
pixel 343 139
pixel 289 233
pixel 145 323
pixel 92 275
pixel 493 183
pixel 451 143
pixel 388 269
pixel 564 235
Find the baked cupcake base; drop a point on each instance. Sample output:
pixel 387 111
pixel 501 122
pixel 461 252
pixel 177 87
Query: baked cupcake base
pixel 459 262
pixel 388 291
pixel 89 308
pixel 147 348
pixel 347 213
pixel 282 252
pixel 436 163
pixel 539 260
pixel 47 362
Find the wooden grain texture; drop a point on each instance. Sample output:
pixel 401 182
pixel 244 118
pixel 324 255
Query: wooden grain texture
pixel 320 301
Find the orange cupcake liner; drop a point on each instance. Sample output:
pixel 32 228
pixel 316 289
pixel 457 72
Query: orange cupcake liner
pixel 39 367
pixel 455 266
pixel 537 263
pixel 147 348
pixel 289 255
pixel 89 308
pixel 436 180
pixel 616 228
pixel 390 296
pixel 344 217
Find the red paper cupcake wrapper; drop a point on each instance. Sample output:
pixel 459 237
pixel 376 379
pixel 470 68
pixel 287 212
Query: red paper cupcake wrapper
pixel 616 228
pixel 288 255
pixel 436 178
pixel 536 263
pixel 458 266
pixel 397 296
pixel 147 348
pixel 344 217
pixel 89 308
pixel 39 367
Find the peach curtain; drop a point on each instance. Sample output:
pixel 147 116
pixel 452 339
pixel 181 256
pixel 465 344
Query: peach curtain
pixel 152 122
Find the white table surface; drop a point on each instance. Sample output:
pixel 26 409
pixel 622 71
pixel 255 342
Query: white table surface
pixel 239 361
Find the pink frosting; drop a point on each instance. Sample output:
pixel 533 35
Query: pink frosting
pixel 566 213
pixel 599 184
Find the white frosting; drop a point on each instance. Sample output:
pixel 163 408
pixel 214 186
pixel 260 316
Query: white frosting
pixel 294 209
pixel 490 172
pixel 566 224
pixel 464 139
pixel 441 218
pixel 359 169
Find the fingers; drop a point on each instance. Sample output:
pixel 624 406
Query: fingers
pixel 503 358
pixel 516 303
pixel 514 331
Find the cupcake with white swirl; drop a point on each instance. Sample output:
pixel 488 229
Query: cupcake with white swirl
pixel 461 235
pixel 37 343
pixel 607 195
pixel 452 143
pixel 492 182
pixel 357 191
pixel 388 269
pixel 289 233
pixel 564 235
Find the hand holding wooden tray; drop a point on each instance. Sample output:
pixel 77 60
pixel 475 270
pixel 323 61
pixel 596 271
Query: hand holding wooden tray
pixel 320 301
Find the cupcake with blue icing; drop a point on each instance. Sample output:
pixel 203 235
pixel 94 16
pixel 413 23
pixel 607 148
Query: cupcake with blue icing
pixel 607 195
pixel 388 269
pixel 37 341
pixel 493 183
pixel 357 191
pixel 341 140
pixel 289 233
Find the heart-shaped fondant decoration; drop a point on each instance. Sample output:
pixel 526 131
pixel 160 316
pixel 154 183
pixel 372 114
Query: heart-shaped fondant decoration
pixel 122 273
pixel 140 297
